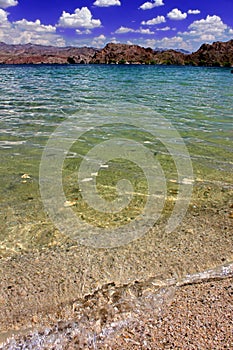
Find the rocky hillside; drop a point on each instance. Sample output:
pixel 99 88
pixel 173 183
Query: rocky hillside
pixel 134 54
pixel 38 54
pixel 123 53
pixel 217 54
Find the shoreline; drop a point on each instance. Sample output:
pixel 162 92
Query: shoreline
pixel 40 289
pixel 198 316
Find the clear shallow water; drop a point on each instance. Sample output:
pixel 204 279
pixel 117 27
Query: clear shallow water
pixel 35 100
pixel 198 101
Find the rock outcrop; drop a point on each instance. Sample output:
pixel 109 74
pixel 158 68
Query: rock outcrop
pixel 217 54
pixel 134 54
pixel 123 53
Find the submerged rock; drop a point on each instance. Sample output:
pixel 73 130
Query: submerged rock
pixel 25 176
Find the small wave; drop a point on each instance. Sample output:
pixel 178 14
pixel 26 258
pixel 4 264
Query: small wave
pixel 107 311
pixel 11 143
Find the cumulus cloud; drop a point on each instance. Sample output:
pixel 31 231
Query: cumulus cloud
pixel 210 25
pixel 123 30
pixel 207 30
pixel 194 12
pixel 36 26
pixel 107 3
pixel 175 42
pixel 8 3
pixel 145 31
pixel 150 5
pixel 164 29
pixel 23 32
pixel 3 17
pixel 154 21
pixel 176 15
pixel 81 18
pixel 99 41
pixel 207 37
pixel 86 31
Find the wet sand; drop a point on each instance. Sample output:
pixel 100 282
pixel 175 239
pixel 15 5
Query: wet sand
pixel 150 294
pixel 200 316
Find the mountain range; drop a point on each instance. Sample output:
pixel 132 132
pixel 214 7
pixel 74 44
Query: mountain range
pixel 218 54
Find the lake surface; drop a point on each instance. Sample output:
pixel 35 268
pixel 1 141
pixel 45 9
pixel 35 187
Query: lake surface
pixel 166 129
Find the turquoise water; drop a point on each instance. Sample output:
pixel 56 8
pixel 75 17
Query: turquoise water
pixel 190 107
pixel 197 100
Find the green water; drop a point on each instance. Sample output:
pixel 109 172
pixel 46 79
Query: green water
pixel 51 120
pixel 36 100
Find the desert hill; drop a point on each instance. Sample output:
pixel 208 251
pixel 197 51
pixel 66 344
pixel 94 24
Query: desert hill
pixel 216 54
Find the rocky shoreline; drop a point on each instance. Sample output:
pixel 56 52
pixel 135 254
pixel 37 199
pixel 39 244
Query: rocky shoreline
pixel 218 54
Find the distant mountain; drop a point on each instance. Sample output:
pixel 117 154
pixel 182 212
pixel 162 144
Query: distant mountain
pixel 216 54
pixel 38 54
pixel 183 51
pixel 160 49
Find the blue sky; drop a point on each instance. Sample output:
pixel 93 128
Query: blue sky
pixel 155 23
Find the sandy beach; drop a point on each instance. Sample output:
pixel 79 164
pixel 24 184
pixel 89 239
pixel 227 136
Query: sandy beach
pixel 198 317
pixel 131 297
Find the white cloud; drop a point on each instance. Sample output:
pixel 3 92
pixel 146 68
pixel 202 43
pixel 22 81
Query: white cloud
pixel 36 26
pixel 23 32
pixel 150 5
pixel 107 3
pixel 81 18
pixel 210 25
pixel 207 37
pixel 176 14
pixel 206 30
pixel 150 43
pixel 194 12
pixel 124 30
pixel 3 17
pixel 153 21
pixel 144 31
pixel 164 29
pixel 175 42
pixel 99 41
pixel 86 31
pixel 8 3
pixel 172 42
pixel 114 40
